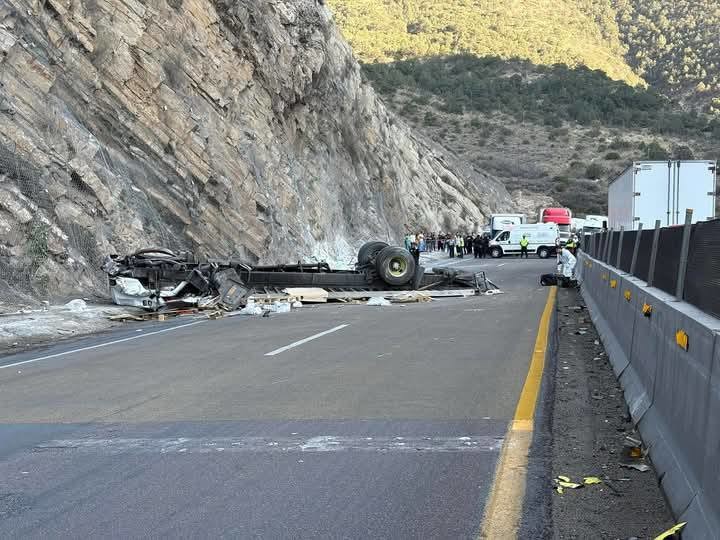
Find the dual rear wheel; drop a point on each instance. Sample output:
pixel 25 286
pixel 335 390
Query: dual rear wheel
pixel 394 265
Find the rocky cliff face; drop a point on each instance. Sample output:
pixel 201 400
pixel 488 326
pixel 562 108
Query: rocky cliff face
pixel 222 126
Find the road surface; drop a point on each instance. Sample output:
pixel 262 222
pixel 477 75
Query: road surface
pixel 335 421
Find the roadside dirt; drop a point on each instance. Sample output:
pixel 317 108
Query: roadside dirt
pixel 590 424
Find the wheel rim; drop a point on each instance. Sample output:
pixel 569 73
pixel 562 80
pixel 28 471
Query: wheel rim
pixel 397 266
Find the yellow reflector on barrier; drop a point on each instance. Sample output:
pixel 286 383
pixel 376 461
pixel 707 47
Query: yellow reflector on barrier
pixel 647 310
pixel 682 339
pixel 613 283
pixel 628 295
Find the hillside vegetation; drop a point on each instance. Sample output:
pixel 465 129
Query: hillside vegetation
pixel 539 94
pixel 546 32
pixel 675 46
pixel 555 97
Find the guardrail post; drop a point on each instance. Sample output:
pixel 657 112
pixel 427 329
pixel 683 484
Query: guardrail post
pixel 596 243
pixel 622 233
pixel 636 250
pixel 608 244
pixel 684 250
pixel 653 254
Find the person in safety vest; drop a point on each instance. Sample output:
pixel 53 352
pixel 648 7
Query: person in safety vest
pixel 524 242
pixel 571 245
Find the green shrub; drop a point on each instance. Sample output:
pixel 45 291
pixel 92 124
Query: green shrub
pixel 594 170
pixel 613 156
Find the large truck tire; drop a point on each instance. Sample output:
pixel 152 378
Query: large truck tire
pixel 369 251
pixel 395 266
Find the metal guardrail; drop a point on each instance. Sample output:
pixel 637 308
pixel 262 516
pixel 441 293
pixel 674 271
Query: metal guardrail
pixel 683 261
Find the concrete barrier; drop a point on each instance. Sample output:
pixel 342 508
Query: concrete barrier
pixel 666 355
pixel 647 351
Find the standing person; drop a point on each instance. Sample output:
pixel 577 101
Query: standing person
pixel 460 243
pixel 477 245
pixel 485 246
pixel 451 246
pixel 407 241
pixel 469 244
pixel 524 242
pixel 558 248
pixel 421 243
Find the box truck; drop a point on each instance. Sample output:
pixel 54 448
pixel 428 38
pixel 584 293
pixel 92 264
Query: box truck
pixel 541 236
pixel 651 190
pixel 502 222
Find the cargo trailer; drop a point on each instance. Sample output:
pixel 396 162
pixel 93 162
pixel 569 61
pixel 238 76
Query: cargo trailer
pixel 662 190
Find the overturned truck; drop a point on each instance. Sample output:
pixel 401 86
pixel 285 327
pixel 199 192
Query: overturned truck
pixel 159 278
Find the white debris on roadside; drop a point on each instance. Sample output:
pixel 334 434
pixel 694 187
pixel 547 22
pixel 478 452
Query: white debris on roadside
pixel 297 304
pixel 251 309
pixel 75 318
pixel 378 301
pixel 492 292
pixel 76 306
pixel 281 307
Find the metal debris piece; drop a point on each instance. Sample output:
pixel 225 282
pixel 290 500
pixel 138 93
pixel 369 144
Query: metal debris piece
pixel 671 532
pixel 637 466
pixel 564 482
pixel 591 480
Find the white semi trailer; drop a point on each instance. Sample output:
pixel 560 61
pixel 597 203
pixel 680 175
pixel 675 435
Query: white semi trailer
pixel 651 190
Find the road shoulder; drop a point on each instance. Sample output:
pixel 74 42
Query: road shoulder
pixel 590 426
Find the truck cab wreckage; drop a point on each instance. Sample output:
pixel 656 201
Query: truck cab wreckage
pixel 161 279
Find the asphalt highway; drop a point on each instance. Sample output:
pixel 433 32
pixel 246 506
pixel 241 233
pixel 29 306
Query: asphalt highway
pixel 334 421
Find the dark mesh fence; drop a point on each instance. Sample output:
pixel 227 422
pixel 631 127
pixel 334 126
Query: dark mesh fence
pixel 628 245
pixel 668 259
pixel 702 281
pixel 614 243
pixel 642 267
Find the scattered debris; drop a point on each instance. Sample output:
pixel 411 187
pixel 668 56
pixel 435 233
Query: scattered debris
pixel 309 295
pixel 642 467
pixel 672 531
pixel 633 447
pixel 410 297
pixel 492 292
pixel 76 306
pixel 591 480
pixel 251 309
pixel 565 482
pixel 378 301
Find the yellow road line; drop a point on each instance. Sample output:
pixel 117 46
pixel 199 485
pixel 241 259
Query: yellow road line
pixel 504 507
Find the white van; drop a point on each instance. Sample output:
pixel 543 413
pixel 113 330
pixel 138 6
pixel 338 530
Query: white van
pixel 541 236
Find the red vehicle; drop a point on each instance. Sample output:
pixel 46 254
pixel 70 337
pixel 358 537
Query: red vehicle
pixel 560 216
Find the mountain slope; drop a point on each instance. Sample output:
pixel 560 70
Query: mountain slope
pixel 475 76
pixel 225 127
pixel 545 32
pixel 674 45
